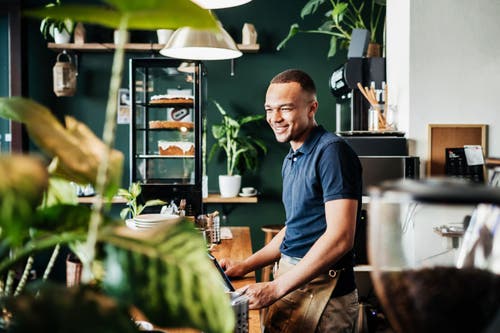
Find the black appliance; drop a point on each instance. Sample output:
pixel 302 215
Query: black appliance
pixel 352 107
pixel 377 169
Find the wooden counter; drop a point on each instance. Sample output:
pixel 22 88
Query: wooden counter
pixel 237 248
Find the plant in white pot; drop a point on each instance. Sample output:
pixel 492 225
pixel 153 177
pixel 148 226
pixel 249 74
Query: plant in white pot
pixel 59 29
pixel 241 151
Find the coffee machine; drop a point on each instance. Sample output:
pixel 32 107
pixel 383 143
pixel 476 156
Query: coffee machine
pixel 352 108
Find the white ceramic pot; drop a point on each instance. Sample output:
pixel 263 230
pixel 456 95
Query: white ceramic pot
pixel 164 35
pixel 204 186
pixel 61 37
pixel 229 186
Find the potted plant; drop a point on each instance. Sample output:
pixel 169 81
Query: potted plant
pixel 134 208
pixel 341 18
pixel 165 273
pixel 59 29
pixel 241 151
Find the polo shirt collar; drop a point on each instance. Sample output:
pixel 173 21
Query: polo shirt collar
pixel 309 144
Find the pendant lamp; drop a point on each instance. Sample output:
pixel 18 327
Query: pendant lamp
pixel 195 44
pixel 215 4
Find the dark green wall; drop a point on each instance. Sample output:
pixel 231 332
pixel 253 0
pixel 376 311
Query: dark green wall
pixel 242 93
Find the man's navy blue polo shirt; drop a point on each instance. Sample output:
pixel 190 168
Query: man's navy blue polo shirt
pixel 324 168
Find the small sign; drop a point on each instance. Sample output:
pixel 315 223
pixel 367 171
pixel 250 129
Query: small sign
pixel 474 154
pixel 123 114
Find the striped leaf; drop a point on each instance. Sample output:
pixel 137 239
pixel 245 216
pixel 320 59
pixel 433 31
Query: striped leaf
pixel 166 273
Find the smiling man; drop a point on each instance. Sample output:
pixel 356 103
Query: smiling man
pixel 314 288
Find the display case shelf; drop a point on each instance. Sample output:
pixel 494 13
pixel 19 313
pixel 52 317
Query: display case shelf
pixel 163 129
pixel 166 105
pixel 164 156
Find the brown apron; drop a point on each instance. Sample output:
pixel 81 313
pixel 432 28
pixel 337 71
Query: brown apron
pixel 300 310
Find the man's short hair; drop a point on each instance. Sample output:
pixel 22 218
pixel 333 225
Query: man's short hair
pixel 296 75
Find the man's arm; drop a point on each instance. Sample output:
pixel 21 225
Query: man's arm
pixel 265 256
pixel 337 240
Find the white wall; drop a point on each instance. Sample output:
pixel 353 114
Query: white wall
pixel 443 66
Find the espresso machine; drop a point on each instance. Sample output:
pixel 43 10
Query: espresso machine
pixel 351 109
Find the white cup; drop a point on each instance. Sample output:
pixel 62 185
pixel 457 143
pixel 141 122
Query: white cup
pixel 248 190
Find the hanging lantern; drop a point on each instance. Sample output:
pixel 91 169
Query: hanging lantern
pixel 64 76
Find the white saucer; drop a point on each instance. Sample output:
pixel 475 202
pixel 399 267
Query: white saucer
pixel 154 218
pixel 254 193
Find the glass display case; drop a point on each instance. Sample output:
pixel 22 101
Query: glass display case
pixel 165 131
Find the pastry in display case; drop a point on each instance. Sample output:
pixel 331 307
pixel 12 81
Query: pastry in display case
pixel 165 132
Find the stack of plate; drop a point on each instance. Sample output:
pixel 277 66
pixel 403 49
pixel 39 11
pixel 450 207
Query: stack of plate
pixel 147 221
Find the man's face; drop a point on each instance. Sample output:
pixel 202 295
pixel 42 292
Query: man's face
pixel 290 112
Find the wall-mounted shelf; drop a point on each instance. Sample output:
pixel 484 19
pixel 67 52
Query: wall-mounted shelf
pixel 216 198
pixel 212 198
pixel 132 47
pixel 93 199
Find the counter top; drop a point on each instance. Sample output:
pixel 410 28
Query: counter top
pixel 212 198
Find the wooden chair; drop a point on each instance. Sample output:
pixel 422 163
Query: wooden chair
pixel 269 232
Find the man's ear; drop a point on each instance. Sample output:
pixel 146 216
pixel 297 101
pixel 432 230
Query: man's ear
pixel 313 107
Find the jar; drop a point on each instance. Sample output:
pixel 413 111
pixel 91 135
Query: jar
pixel 375 113
pixel 391 118
pixel 429 245
pixel 380 119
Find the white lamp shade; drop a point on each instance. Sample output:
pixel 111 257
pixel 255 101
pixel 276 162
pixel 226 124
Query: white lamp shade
pixel 194 44
pixel 215 4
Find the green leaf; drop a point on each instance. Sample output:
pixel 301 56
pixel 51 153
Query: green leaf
pixel 213 150
pixel 168 265
pixel 294 29
pixel 155 202
pixel 251 118
pixel 338 11
pixel 60 191
pixel 60 309
pixel 261 144
pixel 232 123
pixel 310 7
pixel 333 46
pixel 22 185
pixel 76 150
pixel 326 26
pixel 63 218
pixel 141 15
pixel 218 131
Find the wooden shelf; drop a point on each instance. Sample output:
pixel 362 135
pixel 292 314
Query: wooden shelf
pixel 216 198
pixel 132 47
pixel 212 198
pixel 92 199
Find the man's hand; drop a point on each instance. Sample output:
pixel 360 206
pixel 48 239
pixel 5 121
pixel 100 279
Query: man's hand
pixel 233 268
pixel 260 295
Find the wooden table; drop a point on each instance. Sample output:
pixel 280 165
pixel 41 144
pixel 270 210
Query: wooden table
pixel 237 248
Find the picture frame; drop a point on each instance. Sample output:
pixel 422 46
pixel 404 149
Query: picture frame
pixel 442 136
